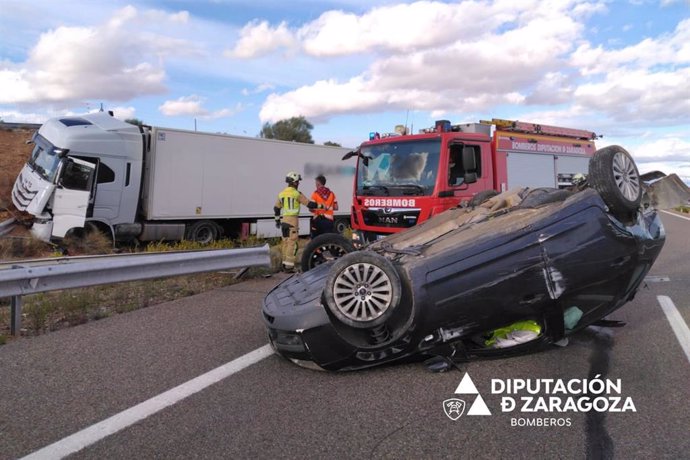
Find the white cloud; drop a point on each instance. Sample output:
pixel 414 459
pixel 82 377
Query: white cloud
pixel 642 96
pixel 475 56
pixel 192 106
pixel 183 106
pixel 14 116
pixel 259 38
pixel 258 89
pixel 394 28
pixel 114 61
pixel 667 148
pixel 667 50
pixel 438 57
pixel 124 113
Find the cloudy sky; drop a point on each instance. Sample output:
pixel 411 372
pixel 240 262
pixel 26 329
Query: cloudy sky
pixel 619 68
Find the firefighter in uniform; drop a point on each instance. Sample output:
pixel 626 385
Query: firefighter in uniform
pixel 322 220
pixel 286 212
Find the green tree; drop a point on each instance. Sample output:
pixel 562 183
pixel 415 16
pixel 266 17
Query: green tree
pixel 296 129
pixel 332 144
pixel 134 121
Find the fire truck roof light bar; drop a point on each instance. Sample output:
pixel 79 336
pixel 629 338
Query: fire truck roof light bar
pixel 534 128
pixel 443 126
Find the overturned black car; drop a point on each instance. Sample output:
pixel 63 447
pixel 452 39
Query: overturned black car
pixel 523 270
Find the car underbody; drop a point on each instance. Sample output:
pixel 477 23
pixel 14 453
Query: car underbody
pixel 558 260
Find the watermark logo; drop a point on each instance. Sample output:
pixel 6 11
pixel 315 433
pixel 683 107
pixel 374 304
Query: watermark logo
pixel 455 407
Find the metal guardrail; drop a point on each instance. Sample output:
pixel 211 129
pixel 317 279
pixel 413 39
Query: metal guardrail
pixel 31 277
pixel 7 225
pixel 6 125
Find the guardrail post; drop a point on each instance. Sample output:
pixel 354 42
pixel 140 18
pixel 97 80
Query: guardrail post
pixel 16 313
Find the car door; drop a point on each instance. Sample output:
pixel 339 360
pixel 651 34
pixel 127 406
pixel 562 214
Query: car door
pixel 72 195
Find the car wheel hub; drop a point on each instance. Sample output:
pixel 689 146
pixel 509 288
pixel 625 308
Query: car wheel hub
pixel 362 292
pixel 626 176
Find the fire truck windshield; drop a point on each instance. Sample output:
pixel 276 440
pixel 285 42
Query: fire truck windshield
pixel 399 168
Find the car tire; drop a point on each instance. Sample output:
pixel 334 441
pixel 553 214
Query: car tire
pixel 614 175
pixel 323 248
pixel 362 290
pixel 481 197
pixel 203 232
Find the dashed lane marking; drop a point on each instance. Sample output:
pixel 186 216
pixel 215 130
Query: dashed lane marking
pixel 678 325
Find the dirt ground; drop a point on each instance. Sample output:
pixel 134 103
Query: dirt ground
pixel 14 151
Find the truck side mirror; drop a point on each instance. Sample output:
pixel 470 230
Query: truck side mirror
pixel 350 154
pixel 469 161
pixel 470 177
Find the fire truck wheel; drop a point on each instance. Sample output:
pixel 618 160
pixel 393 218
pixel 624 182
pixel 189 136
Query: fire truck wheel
pixel 362 290
pixel 481 197
pixel 614 175
pixel 329 246
pixel 203 231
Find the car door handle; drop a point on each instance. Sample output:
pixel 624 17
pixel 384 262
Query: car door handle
pixel 529 299
pixel 620 262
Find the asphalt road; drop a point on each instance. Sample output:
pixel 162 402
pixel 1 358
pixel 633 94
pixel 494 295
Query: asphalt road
pixel 58 384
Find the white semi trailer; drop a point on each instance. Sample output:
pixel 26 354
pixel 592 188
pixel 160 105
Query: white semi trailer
pixel 149 183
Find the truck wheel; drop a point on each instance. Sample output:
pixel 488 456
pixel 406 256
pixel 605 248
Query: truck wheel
pixel 614 175
pixel 362 290
pixel 203 231
pixel 329 246
pixel 341 225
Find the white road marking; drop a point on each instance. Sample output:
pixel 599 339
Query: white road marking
pixel 676 215
pixel 677 324
pixel 94 433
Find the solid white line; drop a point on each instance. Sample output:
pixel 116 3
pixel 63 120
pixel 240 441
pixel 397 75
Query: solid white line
pixel 677 324
pixel 676 215
pixel 94 433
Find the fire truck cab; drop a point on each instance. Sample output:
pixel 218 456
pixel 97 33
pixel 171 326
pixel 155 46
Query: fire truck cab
pixel 404 179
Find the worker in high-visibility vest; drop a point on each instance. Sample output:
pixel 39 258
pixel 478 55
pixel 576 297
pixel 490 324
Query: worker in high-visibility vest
pixel 322 220
pixel 286 212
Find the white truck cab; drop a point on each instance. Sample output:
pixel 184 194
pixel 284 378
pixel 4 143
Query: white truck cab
pixel 72 158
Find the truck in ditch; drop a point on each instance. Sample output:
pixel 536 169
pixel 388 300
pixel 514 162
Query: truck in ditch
pixel 97 172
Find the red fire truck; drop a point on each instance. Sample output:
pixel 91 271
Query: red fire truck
pixel 403 179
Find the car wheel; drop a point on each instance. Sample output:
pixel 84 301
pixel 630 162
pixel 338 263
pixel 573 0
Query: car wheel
pixel 362 290
pixel 481 197
pixel 323 248
pixel 203 231
pixel 614 175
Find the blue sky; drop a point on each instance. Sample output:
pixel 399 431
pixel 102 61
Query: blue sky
pixel 619 68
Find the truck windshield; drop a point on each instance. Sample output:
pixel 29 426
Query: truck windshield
pixel 399 168
pixel 44 158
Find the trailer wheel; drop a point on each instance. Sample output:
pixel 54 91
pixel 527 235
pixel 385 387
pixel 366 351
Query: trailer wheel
pixel 362 290
pixel 329 246
pixel 203 231
pixel 341 225
pixel 614 175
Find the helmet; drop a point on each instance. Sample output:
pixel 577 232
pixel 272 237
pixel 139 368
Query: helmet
pixel 292 177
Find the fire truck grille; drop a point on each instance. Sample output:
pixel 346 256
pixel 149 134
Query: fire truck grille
pixel 398 218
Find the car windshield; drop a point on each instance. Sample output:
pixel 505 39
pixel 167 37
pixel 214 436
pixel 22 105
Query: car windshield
pixel 44 158
pixel 399 168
